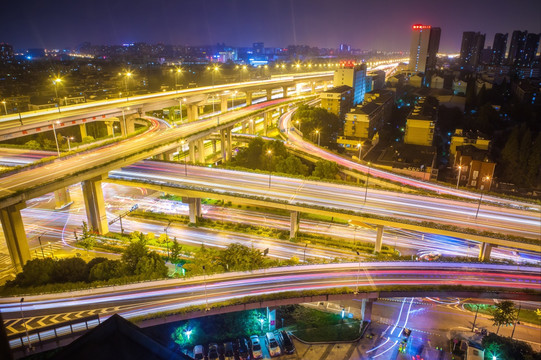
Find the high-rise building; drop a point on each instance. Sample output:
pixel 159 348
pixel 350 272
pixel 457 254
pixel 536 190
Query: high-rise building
pixel 498 49
pixel 259 47
pixel 530 49
pixel 354 76
pixel 471 48
pixel 6 52
pixel 425 42
pixel 516 49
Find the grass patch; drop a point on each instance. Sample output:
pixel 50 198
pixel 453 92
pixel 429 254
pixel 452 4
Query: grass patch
pixel 525 315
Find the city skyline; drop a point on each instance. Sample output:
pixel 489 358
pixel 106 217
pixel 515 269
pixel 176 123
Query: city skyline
pixel 276 23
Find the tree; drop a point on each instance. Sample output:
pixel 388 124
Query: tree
pixel 134 253
pixel 35 272
pixel 32 144
pixel 176 250
pixel 504 313
pixel 151 266
pixel 69 270
pixel 292 165
pixel 325 169
pixel 510 155
pixel 534 163
pixel 106 270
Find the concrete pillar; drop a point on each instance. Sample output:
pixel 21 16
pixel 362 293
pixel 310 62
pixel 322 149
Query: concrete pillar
pixel 62 198
pixel 95 205
pixel 15 235
pixel 224 103
pixel 366 309
pixel 194 207
pixel 379 239
pixel 252 126
pixel 192 112
pixel 223 145
pixel 213 146
pixel 201 151
pixel 244 127
pixel 82 129
pixel 325 86
pixel 168 155
pixel 229 144
pixel 127 124
pixel 267 122
pixel 284 91
pixel 269 94
pixel 201 109
pixel 191 150
pixel 294 224
pixel 484 251
pixel 248 98
pixel 109 125
pixel 313 87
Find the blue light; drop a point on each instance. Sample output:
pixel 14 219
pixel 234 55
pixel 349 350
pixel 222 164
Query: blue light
pixel 343 313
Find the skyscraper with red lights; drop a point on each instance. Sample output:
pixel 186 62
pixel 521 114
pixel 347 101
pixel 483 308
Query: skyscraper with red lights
pixel 425 42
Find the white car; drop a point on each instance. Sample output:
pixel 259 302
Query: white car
pixel 272 344
pixel 257 353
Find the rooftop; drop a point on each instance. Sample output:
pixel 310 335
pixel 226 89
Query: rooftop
pixel 339 89
pixel 425 109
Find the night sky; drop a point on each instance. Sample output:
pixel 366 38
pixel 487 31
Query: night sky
pixel 375 24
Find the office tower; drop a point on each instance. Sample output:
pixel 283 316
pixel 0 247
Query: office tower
pixel 498 49
pixel 516 49
pixel 530 49
pixel 355 77
pixel 471 48
pixel 259 47
pixel 6 52
pixel 425 42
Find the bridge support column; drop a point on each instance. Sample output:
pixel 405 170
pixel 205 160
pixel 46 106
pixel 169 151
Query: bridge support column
pixel 62 198
pixel 95 205
pixel 15 235
pixel 223 146
pixel 267 121
pixel 82 129
pixel 229 144
pixel 214 146
pixel 244 127
pixel 284 91
pixel 109 125
pixel 379 239
pixel 313 87
pixel 194 207
pixel 201 151
pixel 294 225
pixel 366 309
pixel 269 94
pixel 168 155
pixel 484 251
pixel 248 98
pixel 325 86
pixel 252 126
pixel 191 151
pixel 193 113
pixel 127 124
pixel 224 103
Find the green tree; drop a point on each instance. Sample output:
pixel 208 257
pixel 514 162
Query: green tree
pixel 93 262
pixel 106 270
pixel 510 154
pixel 239 257
pixel 35 272
pixel 151 266
pixel 292 165
pixel 176 250
pixel 71 269
pixel 504 313
pixel 32 144
pixel 134 253
pixel 204 260
pixel 534 163
pixel 325 169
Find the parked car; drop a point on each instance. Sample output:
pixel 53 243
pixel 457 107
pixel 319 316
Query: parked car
pixel 272 344
pixel 287 343
pixel 213 351
pixel 257 353
pixel 241 349
pixel 229 350
pixel 199 352
pixel 221 351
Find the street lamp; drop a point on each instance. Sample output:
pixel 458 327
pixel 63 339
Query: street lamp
pixel 458 178
pixel 127 76
pixel 55 137
pixel 487 178
pixel 69 144
pixel 358 274
pixel 269 154
pixel 180 107
pixel 25 327
pixel 185 164
pixel 304 257
pixel 167 238
pixel 318 133
pixel 5 107
pixel 56 82
pixel 206 297
pixel 360 146
pixel 366 183
pixel 41 247
pixel 234 94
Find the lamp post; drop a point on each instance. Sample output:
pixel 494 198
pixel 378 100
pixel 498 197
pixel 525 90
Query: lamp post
pixel 459 172
pixel 180 107
pixel 167 238
pixel 69 144
pixel 304 257
pixel 127 76
pixel 360 146
pixel 516 320
pixel 185 164
pixel 41 247
pixel 5 107
pixel 233 104
pixel 318 133
pixel 55 137
pixel 206 297
pixel 366 183
pixel 481 197
pixel 56 82
pixel 25 327
pixel 358 274
pixel 269 154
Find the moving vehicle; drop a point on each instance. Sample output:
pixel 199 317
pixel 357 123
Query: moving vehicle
pixel 228 350
pixel 213 351
pixel 272 344
pixel 287 343
pixel 257 353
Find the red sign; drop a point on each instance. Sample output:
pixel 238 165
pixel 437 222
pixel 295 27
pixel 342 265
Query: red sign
pixel 420 27
pixel 272 322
